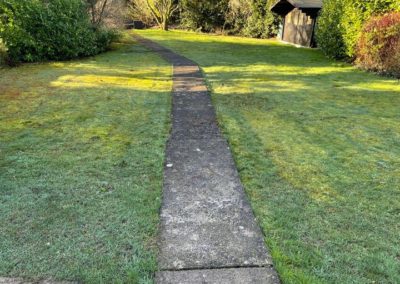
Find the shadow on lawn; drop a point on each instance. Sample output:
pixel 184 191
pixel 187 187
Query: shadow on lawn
pixel 317 146
pixel 319 180
pixel 81 163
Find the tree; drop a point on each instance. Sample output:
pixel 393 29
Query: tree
pixel 139 10
pixel 108 12
pixel 160 11
pixel 96 10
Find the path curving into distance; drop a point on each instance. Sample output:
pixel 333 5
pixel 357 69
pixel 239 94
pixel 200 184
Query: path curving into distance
pixel 208 233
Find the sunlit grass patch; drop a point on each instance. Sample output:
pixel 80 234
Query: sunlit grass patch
pixel 317 144
pixel 81 160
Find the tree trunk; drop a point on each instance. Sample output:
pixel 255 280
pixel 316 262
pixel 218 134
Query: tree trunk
pixel 164 25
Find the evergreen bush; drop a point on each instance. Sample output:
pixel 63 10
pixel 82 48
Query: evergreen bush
pixel 203 15
pixel 251 18
pixel 37 30
pixel 341 22
pixel 259 21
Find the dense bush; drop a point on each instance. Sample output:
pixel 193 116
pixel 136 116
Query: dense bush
pixel 379 45
pixel 245 17
pixel 252 18
pixel 341 22
pixel 203 15
pixel 329 32
pixel 36 30
pixel 2 53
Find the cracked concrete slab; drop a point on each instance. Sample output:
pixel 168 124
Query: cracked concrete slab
pixel 193 124
pixel 6 280
pixel 206 219
pixel 265 275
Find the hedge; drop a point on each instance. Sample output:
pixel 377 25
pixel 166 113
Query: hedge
pixel 341 22
pixel 37 30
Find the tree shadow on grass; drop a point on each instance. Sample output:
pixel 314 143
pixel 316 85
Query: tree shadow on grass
pixel 81 168
pixel 317 146
pixel 313 208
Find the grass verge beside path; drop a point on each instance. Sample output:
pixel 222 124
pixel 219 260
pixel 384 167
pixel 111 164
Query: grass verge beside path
pixel 317 144
pixel 81 162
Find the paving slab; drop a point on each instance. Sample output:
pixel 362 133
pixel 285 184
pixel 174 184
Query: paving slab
pixel 206 220
pixel 193 124
pixel 6 280
pixel 208 233
pixel 265 275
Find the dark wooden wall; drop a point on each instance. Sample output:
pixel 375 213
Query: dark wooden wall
pixel 298 28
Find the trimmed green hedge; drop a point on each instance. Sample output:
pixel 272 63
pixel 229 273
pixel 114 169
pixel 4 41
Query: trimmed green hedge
pixel 37 30
pixel 341 22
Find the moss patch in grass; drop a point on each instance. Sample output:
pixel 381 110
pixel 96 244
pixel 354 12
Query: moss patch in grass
pixel 81 162
pixel 317 144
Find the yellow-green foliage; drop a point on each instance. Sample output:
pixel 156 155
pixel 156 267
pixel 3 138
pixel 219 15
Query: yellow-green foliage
pixel 341 21
pixel 317 146
pixel 354 16
pixel 2 53
pixel 81 161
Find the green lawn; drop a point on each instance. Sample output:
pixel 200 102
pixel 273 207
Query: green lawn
pixel 317 144
pixel 81 161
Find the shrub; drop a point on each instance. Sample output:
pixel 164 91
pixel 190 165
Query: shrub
pixel 36 30
pixel 103 39
pixel 379 45
pixel 203 15
pixel 252 18
pixel 341 22
pixel 2 54
pixel 355 14
pixel 329 32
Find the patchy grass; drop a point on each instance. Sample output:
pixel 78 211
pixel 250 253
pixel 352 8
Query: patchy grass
pixel 81 161
pixel 317 144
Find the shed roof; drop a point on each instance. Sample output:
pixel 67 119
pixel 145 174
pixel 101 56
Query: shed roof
pixel 283 7
pixel 306 3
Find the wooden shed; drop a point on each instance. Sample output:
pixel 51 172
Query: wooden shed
pixel 299 20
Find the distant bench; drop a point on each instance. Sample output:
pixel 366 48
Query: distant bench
pixel 139 25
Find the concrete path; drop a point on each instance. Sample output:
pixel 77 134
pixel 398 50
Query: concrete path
pixel 5 280
pixel 208 231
